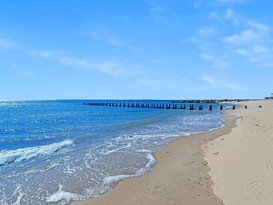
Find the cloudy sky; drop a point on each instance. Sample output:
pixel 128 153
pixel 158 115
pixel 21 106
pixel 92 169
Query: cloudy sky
pixel 121 49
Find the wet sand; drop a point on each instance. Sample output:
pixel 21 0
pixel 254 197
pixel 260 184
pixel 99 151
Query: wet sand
pixel 179 177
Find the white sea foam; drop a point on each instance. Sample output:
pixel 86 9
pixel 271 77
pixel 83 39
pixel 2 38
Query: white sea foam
pixel 151 162
pixel 18 192
pixel 28 172
pixel 63 197
pixel 18 155
pixel 143 150
pixel 110 179
pixel 117 149
pixel 148 166
pixel 20 196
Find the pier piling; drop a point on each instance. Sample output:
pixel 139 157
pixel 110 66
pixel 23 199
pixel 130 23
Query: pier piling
pixel 173 105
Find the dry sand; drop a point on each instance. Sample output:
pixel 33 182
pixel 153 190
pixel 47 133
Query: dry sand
pixel 241 162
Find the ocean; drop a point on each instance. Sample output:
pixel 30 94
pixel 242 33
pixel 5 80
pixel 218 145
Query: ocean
pixel 54 152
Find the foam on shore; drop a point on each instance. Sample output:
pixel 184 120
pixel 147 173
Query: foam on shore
pixel 19 155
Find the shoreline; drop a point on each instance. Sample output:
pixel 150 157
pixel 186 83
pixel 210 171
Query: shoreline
pixel 179 176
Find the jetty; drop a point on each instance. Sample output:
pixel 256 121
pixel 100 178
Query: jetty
pixel 174 105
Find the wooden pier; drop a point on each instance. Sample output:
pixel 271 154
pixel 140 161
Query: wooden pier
pixel 168 106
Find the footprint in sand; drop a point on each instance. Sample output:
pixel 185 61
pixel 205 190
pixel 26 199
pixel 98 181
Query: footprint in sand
pixel 268 153
pixel 268 167
pixel 253 185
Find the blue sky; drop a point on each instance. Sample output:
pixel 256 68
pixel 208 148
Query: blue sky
pixel 119 49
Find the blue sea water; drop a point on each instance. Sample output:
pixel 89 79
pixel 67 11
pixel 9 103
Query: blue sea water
pixel 54 152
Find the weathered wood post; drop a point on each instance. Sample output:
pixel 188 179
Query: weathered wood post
pixel 191 107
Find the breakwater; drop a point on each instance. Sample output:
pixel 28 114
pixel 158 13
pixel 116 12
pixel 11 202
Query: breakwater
pixel 174 106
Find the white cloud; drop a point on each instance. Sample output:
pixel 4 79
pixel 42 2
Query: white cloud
pixel 209 80
pixel 83 63
pixel 250 27
pixel 205 32
pixel 214 15
pixel 206 56
pixel 268 64
pixel 242 51
pixel 107 37
pixel 244 37
pixel 195 40
pixel 229 14
pixel 258 49
pixel 198 3
pixel 7 44
pixel 253 40
pixel 25 74
pixel 215 83
pixel 216 62
pixel 108 67
pixel 253 59
pixel 248 23
pixel 231 1
pixel 156 8
pixel 258 54
pixel 155 61
pixel 42 53
pixel 113 41
pixel 112 68
pixel 160 12
pixel 231 86
pixel 13 65
pixel 202 43
pixel 258 26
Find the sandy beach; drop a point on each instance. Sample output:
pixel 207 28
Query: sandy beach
pixel 241 162
pixel 230 165
pixel 179 177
